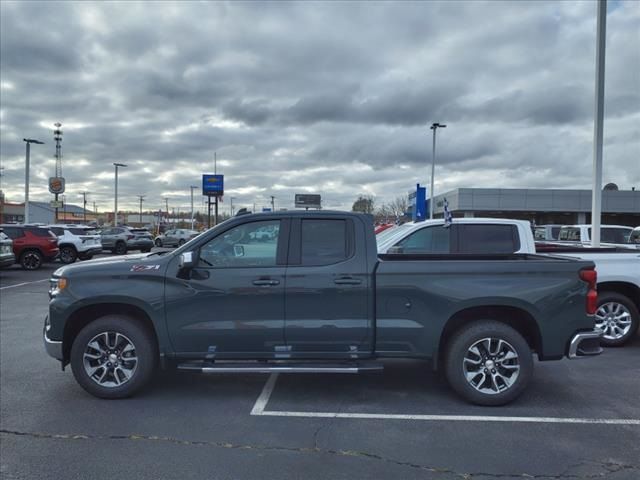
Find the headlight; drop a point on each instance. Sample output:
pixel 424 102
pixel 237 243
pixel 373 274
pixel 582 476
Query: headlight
pixel 56 285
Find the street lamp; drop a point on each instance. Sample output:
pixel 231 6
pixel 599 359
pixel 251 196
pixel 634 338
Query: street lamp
pixel 115 212
pixel 231 206
pixel 28 141
pixel 192 187
pixel 433 127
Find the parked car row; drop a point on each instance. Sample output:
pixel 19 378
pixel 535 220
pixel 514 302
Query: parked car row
pixel 175 238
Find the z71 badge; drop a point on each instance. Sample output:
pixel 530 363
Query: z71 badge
pixel 144 268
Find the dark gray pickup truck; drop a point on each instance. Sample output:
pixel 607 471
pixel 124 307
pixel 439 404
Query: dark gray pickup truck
pixel 307 292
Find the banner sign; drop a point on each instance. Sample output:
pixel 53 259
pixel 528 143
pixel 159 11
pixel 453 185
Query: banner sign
pixel 420 205
pixel 212 185
pixel 305 200
pixel 56 185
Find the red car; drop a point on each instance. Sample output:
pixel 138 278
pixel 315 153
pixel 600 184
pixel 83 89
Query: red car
pixel 383 226
pixel 32 245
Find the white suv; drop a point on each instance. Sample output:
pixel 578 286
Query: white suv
pixel 76 241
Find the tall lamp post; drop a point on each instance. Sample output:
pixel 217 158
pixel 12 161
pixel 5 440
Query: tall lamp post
pixel 231 206
pixel 28 141
pixel 115 211
pixel 192 187
pixel 433 127
pixel 141 198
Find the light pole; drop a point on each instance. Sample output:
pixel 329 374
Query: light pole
pixel 192 187
pixel 433 127
pixel 84 206
pixel 115 212
pixel 231 206
pixel 28 141
pixel 273 203
pixel 141 198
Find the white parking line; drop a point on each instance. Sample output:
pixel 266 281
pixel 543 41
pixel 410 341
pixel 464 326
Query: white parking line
pixel 22 284
pixel 265 395
pixel 263 399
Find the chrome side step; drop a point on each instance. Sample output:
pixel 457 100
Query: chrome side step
pixel 281 367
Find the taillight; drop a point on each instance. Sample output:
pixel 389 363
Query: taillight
pixel 590 276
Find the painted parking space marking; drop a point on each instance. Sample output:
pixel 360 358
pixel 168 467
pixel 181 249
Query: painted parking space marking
pixel 259 409
pixel 24 283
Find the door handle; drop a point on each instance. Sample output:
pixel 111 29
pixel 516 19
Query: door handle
pixel 347 281
pixel 266 282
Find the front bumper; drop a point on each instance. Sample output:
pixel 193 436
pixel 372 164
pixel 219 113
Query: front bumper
pixel 585 344
pixel 53 347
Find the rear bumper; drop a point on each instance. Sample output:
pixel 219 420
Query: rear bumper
pixel 585 344
pixel 53 347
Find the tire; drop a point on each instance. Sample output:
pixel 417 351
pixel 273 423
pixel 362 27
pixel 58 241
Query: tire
pixel 68 254
pixel 158 242
pixel 145 250
pixel 478 348
pixel 83 256
pixel 121 378
pixel 181 242
pixel 617 317
pixel 121 248
pixel 31 260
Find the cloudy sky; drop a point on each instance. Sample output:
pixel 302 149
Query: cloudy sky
pixel 321 97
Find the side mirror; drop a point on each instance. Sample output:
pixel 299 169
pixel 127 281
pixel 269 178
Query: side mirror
pixel 188 260
pixel 395 250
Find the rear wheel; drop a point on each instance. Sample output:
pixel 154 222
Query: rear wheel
pixel 617 317
pixel 113 357
pixel 488 363
pixel 181 242
pixel 68 254
pixel 31 260
pixel 158 242
pixel 121 248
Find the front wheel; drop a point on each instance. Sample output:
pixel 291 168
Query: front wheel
pixel 68 254
pixel 158 242
pixel 181 242
pixel 488 363
pixel 617 317
pixel 113 357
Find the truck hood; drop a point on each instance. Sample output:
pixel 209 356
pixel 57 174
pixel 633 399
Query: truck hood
pixel 109 265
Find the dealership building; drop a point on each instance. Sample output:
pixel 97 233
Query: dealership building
pixel 42 212
pixel 542 206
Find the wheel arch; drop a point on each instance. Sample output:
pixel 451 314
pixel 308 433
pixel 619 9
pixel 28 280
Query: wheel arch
pixel 629 290
pixel 89 313
pixel 517 318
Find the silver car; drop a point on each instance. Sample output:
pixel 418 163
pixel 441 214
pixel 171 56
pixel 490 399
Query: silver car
pixel 176 237
pixel 7 258
pixel 121 239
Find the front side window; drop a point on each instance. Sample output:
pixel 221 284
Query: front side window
pixel 324 242
pixel 488 239
pixel 428 240
pixel 249 245
pixel 540 233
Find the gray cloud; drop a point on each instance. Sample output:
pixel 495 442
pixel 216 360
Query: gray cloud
pixel 328 97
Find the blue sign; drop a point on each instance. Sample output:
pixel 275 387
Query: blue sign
pixel 419 212
pixel 212 185
pixel 266 209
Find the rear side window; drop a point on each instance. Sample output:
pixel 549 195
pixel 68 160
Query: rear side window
pixel 486 238
pixel 555 231
pixel 77 231
pixel 58 231
pixel 40 232
pixel 324 241
pixel 427 240
pixel 613 235
pixel 572 234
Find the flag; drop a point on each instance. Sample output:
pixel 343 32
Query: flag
pixel 447 215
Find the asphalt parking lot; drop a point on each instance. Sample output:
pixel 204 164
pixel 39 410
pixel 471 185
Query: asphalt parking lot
pixel 578 419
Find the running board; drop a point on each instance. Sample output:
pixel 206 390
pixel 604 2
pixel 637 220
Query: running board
pixel 284 367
